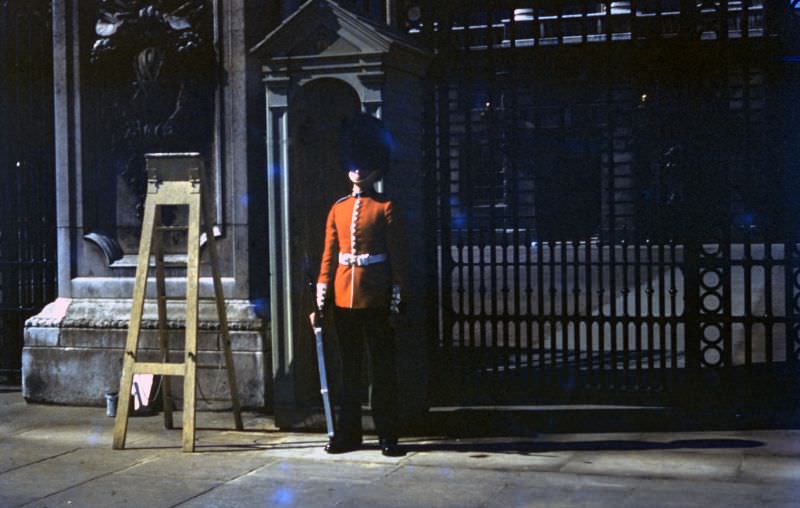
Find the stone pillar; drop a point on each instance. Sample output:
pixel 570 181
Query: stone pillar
pixel 73 348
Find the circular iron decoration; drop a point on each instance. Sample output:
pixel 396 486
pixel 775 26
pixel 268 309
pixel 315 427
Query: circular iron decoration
pixel 712 356
pixel 711 280
pixel 712 250
pixel 712 333
pixel 712 303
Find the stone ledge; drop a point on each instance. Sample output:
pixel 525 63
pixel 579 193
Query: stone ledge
pixel 115 314
pixel 147 324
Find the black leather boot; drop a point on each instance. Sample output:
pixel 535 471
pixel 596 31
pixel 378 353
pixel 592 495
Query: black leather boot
pixel 390 448
pixel 342 444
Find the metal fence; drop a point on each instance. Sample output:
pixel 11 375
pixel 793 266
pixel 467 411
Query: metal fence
pixel 27 175
pixel 616 199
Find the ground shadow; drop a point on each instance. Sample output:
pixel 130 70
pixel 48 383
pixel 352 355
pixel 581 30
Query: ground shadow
pixel 530 423
pixel 238 447
pixel 510 446
pixel 234 429
pixel 529 447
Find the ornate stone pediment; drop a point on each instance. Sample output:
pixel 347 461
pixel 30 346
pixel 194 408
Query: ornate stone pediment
pixel 321 29
pixel 325 42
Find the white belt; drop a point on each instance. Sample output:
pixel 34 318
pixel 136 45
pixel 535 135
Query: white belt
pixel 345 258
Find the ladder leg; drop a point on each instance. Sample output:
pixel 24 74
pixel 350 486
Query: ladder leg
pixel 190 363
pixel 219 298
pixel 132 341
pixel 163 339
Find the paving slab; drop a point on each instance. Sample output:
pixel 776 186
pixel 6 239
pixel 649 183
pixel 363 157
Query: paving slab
pixel 437 487
pixel 93 432
pixel 62 472
pixel 762 468
pixel 288 482
pixel 250 491
pixel 569 490
pixel 16 454
pixel 656 464
pixel 495 453
pixel 59 456
pixel 21 417
pixel 121 490
pixel 210 466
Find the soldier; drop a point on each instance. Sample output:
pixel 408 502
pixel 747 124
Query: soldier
pixel 364 258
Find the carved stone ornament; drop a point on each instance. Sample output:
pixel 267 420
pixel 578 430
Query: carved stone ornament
pixel 154 67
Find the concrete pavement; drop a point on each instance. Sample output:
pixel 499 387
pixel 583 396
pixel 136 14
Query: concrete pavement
pixel 53 456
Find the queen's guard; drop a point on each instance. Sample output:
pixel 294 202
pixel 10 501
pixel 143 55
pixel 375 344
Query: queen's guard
pixel 364 262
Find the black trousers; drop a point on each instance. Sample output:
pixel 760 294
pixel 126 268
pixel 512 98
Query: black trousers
pixel 354 326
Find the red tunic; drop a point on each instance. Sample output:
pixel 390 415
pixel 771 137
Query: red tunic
pixel 363 225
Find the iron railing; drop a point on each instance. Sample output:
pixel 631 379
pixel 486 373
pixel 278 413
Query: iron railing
pixel 27 177
pixel 616 218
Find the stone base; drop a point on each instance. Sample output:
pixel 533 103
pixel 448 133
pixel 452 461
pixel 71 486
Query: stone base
pixel 74 348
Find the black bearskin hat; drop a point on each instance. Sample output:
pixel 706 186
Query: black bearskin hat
pixel 365 143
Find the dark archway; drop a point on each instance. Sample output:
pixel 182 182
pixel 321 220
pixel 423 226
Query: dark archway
pixel 316 181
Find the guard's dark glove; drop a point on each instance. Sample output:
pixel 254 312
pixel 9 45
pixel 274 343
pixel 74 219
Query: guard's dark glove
pixel 316 319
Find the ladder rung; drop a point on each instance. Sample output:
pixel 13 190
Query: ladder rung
pixel 178 263
pixel 183 299
pixel 167 369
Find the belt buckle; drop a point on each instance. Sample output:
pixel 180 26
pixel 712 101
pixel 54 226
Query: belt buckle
pixel 350 259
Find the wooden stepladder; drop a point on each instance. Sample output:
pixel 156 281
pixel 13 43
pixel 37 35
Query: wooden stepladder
pixel 174 179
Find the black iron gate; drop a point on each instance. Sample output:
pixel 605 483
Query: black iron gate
pixel 617 203
pixel 27 175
